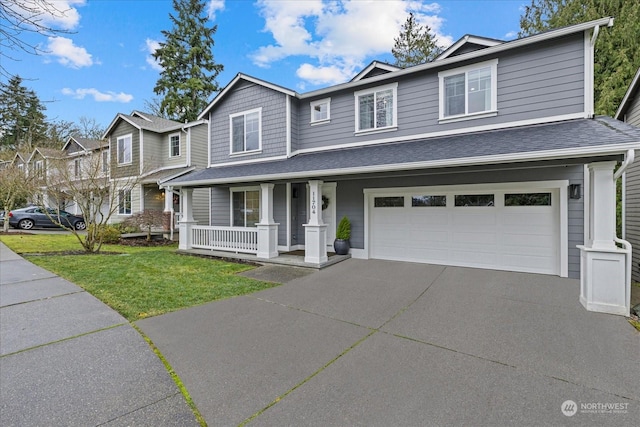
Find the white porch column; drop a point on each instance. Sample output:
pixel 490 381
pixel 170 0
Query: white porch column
pixel 168 210
pixel 267 227
pixel 604 282
pixel 186 219
pixel 315 232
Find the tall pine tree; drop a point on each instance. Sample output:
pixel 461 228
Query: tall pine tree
pixel 617 48
pixel 414 45
pixel 186 56
pixel 22 118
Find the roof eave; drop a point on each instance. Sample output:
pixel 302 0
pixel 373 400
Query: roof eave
pixel 581 152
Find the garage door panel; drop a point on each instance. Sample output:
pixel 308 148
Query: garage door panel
pixel 519 238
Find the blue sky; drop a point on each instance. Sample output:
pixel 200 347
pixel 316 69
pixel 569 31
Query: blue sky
pixel 103 66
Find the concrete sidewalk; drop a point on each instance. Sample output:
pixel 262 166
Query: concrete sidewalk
pixel 66 359
pixel 381 343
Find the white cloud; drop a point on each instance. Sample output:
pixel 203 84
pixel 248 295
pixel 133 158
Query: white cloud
pixel 68 54
pixel 57 14
pixel 511 35
pixel 152 46
pixel 338 35
pixel 214 7
pixel 97 95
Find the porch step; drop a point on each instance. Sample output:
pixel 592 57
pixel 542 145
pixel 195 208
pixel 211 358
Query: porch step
pixel 285 258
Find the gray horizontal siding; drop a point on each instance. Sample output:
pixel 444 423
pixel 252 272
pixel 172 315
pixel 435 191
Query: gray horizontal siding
pixel 632 217
pixel 220 207
pixel 199 145
pixel 243 98
pixel 536 82
pixel 201 205
pixel 123 128
pixel 633 114
pixel 280 211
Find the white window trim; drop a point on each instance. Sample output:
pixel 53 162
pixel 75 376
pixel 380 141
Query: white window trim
pixel 105 155
pixel 130 136
pixel 241 190
pixel 77 168
pixel 320 102
pixel 171 156
pixel 493 111
pixel 130 202
pixel 358 94
pixel 245 113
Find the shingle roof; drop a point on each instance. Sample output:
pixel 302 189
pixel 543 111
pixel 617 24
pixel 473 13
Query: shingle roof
pixel 568 139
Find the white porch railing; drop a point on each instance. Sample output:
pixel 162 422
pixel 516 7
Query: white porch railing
pixel 232 239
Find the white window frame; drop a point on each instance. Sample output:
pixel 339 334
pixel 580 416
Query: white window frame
pixel 374 91
pixel 124 160
pixel 314 104
pixel 242 190
pixel 77 168
pixel 122 206
pixel 171 155
pixel 493 109
pixel 245 114
pixel 39 168
pixel 104 156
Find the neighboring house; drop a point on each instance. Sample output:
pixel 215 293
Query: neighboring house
pixel 88 164
pixel 147 150
pixel 629 112
pixel 40 166
pixel 20 160
pixel 488 157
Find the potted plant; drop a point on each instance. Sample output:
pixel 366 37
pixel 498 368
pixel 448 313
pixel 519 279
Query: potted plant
pixel 343 234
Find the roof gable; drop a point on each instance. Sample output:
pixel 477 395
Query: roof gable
pixel 468 43
pixel 375 69
pixel 144 121
pixel 632 92
pixel 238 79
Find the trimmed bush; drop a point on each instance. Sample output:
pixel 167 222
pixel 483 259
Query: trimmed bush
pixel 344 229
pixel 106 233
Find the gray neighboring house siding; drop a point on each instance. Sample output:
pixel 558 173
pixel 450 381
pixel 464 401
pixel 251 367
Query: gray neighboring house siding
pixel 630 113
pixel 532 83
pixel 248 96
pixel 133 169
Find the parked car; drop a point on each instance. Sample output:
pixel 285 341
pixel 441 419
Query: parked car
pixel 1 218
pixel 35 217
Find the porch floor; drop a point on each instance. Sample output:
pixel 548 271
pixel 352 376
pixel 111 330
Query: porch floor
pixel 294 258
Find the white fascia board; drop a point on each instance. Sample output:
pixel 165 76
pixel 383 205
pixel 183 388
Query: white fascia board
pixel 120 116
pixel 547 35
pixel 635 85
pixel 233 82
pixel 615 149
pixel 174 176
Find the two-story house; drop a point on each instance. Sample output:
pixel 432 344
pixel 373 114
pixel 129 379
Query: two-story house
pixel 147 150
pixel 40 165
pixel 86 170
pixel 629 112
pixel 488 157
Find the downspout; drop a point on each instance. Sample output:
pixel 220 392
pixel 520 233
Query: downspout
pixel 629 158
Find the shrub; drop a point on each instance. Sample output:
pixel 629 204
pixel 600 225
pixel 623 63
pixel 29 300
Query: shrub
pixel 344 229
pixel 106 233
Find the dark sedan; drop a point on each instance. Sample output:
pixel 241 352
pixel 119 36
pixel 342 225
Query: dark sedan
pixel 35 217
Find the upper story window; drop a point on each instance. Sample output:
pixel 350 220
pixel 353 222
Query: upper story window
pixel 174 145
pixel 21 167
pixel 469 91
pixel 124 149
pixel 321 111
pixel 246 131
pixel 105 161
pixel 77 166
pixel 39 169
pixel 376 108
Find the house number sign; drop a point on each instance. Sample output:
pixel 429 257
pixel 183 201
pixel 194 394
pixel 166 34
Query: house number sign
pixel 313 202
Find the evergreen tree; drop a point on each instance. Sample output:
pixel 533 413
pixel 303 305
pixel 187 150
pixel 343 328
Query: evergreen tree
pixel 186 56
pixel 415 44
pixel 22 119
pixel 617 50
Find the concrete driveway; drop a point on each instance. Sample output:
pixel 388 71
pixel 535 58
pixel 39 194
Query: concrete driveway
pixel 387 343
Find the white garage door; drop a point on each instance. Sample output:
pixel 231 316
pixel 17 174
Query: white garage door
pixel 515 230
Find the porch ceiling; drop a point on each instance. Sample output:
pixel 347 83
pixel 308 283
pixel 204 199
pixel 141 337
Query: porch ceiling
pixel 563 140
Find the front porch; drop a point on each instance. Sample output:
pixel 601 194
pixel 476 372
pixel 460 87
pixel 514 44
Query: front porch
pixel 293 258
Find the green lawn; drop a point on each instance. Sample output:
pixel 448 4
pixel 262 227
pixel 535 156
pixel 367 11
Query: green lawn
pixel 138 282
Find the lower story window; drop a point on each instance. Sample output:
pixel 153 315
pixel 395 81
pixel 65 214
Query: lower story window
pixel 246 208
pixel 124 202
